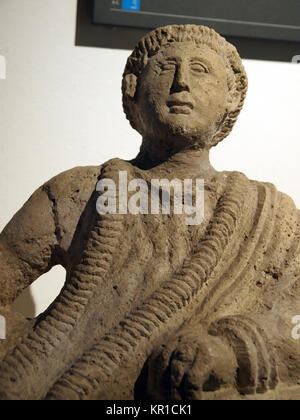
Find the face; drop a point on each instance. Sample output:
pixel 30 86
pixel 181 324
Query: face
pixel 182 94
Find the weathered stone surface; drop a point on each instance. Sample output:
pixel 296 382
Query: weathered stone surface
pixel 152 307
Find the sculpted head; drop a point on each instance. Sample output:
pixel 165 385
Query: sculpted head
pixel 184 86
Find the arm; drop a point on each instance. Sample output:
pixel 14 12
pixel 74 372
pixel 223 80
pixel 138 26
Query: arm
pixel 27 247
pixel 27 250
pixel 40 235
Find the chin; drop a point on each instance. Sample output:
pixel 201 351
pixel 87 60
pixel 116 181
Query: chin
pixel 186 134
pixel 180 130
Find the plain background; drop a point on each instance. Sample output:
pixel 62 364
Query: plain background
pixel 60 107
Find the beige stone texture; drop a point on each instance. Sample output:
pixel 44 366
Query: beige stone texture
pixel 153 308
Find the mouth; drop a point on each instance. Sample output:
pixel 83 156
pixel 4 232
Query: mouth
pixel 180 107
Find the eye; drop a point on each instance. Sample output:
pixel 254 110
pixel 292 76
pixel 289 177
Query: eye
pixel 198 67
pixel 167 67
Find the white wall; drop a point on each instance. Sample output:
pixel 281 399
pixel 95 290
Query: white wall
pixel 60 106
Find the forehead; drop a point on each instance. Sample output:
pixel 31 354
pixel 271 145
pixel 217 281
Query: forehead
pixel 180 51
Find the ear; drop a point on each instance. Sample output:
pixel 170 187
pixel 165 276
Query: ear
pixel 233 101
pixel 130 84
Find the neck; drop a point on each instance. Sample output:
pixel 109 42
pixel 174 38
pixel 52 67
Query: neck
pixel 194 161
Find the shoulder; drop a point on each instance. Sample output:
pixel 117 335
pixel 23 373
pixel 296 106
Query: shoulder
pixel 69 194
pixel 264 193
pixel 232 180
pixel 268 192
pixel 49 219
pixel 76 183
pixel 228 177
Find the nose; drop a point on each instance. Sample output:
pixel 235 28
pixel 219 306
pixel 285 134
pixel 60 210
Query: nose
pixel 181 80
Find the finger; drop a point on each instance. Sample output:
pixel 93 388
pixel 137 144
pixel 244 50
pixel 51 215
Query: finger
pixel 192 385
pixel 195 377
pixel 158 368
pixel 177 371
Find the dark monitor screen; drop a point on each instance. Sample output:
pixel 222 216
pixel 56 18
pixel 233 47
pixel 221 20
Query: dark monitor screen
pixel 268 19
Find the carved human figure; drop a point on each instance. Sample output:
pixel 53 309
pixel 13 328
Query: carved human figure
pixel 153 307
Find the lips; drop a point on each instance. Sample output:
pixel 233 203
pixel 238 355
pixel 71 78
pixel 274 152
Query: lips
pixel 180 107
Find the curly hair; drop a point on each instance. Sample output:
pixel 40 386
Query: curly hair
pixel 199 35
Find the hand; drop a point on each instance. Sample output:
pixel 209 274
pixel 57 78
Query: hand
pixel 192 364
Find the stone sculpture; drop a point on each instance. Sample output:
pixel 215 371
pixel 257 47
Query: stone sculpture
pixel 152 307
